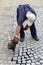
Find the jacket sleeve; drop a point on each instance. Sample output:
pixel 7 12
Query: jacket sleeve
pixel 31 9
pixel 21 16
pixel 20 20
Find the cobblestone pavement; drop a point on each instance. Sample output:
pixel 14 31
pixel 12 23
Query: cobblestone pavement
pixel 30 52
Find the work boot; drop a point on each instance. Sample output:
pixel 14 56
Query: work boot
pixel 21 39
pixel 12 45
pixel 36 38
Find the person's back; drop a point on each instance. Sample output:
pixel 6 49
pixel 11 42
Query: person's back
pixel 26 8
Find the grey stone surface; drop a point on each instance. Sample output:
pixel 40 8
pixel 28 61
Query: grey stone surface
pixel 30 52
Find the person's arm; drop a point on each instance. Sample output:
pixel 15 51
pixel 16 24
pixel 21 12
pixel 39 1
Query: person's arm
pixel 20 22
pixel 17 30
pixel 16 39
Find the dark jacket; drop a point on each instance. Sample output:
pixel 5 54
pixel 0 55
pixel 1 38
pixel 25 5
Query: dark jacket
pixel 21 13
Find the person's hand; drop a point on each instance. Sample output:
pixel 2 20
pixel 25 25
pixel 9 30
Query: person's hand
pixel 26 27
pixel 15 40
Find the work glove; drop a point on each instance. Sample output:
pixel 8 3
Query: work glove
pixel 16 40
pixel 26 27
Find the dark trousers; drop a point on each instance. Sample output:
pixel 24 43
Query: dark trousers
pixel 32 29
